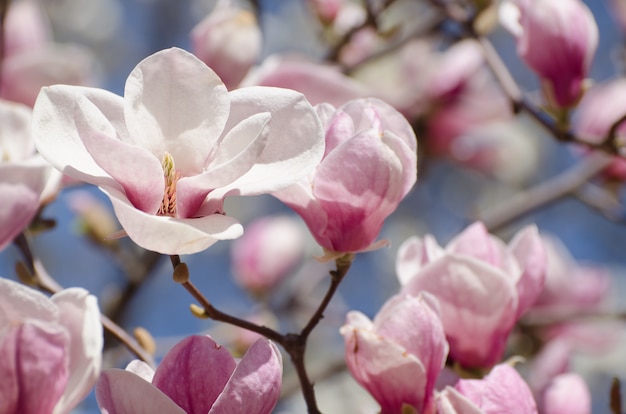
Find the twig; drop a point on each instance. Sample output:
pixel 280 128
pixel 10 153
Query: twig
pixel 548 191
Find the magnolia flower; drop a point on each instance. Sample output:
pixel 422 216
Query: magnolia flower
pixel 175 145
pixel 31 60
pixel 557 40
pixel 399 355
pixel 369 166
pixel 264 255
pixel 483 286
pixel 51 349
pixel 567 394
pixel 502 391
pixel 602 106
pixel 197 376
pixel 228 40
pixel 23 175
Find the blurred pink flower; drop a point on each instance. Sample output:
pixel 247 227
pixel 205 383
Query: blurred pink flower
pixel 175 145
pixel 398 356
pixel 483 286
pixel 51 349
pixel 557 40
pixel 502 391
pixel 267 251
pixel 228 40
pixel 23 175
pixel 569 287
pixel 197 376
pixel 602 106
pixel 567 394
pixel 33 60
pixel 320 83
pixel 370 164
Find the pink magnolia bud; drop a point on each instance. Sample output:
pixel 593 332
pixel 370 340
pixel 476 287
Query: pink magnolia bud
pixel 567 394
pixel 50 349
pixel 482 285
pixel 399 355
pixel 557 40
pixel 502 391
pixel 368 168
pixel 602 106
pixel 229 41
pixel 268 250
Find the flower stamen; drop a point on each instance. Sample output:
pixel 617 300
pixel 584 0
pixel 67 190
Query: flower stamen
pixel 168 204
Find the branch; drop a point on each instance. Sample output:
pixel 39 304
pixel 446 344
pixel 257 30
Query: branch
pixel 548 191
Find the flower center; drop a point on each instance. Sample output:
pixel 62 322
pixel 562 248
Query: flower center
pixel 168 205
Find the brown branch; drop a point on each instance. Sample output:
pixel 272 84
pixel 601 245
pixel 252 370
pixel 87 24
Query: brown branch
pixel 548 191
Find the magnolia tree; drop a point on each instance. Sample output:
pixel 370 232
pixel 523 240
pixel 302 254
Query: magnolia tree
pixel 490 319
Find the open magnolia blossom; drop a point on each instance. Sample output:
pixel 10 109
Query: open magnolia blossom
pixel 369 166
pixel 197 376
pixel 50 349
pixel 483 286
pixel 23 175
pixel 175 145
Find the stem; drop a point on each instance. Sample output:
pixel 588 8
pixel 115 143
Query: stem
pixel 294 344
pixel 548 191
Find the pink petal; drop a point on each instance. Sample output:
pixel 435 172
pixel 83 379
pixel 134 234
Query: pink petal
pixel 133 167
pixel 56 136
pixel 169 235
pixel 194 373
pixel 15 139
pixel 393 376
pixel 237 153
pixel 255 384
pixel 79 313
pixel 478 304
pixel 357 186
pixel 567 394
pixel 122 392
pixel 451 401
pixel 19 302
pixel 33 368
pixel 173 102
pixel 413 254
pixel 529 251
pixel 295 143
pixel 21 187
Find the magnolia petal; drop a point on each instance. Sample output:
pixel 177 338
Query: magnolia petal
pixel 502 391
pixel 255 384
pixel 173 102
pixel 478 304
pixel 133 167
pixel 79 313
pixel 21 187
pixel 237 153
pixel 295 143
pixel 19 302
pixel 141 369
pixel 194 373
pixel 451 401
pixel 358 186
pixel 393 376
pixel 300 198
pixel 169 235
pixel 33 357
pixel 413 254
pixel 407 157
pixel 56 136
pixel 15 139
pixel 339 129
pixel 567 394
pixel 122 392
pixel 530 252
